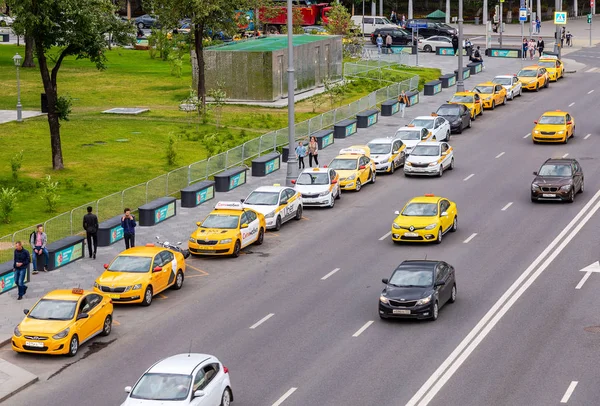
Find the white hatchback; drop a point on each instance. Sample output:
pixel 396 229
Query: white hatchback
pixel 278 203
pixel 429 159
pixel 411 136
pixel 193 379
pixel 318 187
pixel 439 126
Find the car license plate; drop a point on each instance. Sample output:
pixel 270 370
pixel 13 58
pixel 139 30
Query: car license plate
pixel 114 296
pixel 400 311
pixel 34 344
pixel 411 234
pixel 549 195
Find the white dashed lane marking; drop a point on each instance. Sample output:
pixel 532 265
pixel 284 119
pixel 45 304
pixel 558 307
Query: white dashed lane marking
pixel 385 236
pixel 470 238
pixel 507 206
pixel 587 136
pixel 591 91
pixel 285 396
pixel 572 104
pixel 469 177
pixel 261 321
pixel 330 273
pixel 527 135
pixel 565 155
pixel 499 155
pixel 363 328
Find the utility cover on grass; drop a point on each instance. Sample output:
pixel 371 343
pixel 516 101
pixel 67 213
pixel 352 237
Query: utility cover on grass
pixel 126 110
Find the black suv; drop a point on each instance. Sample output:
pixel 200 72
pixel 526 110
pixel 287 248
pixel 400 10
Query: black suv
pixel 399 36
pixel 433 28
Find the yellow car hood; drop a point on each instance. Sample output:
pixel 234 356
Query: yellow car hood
pixel 486 95
pixel 415 221
pixel 31 326
pixel 549 127
pixel 346 173
pixel 122 278
pixel 213 233
pixel 526 80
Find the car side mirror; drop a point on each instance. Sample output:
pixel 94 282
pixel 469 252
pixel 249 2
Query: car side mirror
pixel 569 122
pixel 283 202
pixel 157 269
pixel 198 223
pixel 535 173
pixel 82 316
pixel 245 225
pixel 198 393
pixel 179 243
pixel 105 266
pixel 333 182
pixel 128 389
pixel 26 311
pixel 444 213
pixel 293 181
pixel 440 283
pixel 397 213
pixel 385 280
pixel 535 122
pixel 242 200
pixel 362 167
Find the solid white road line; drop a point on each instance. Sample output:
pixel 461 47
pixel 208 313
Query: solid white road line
pixel 470 238
pixel 385 236
pixel 570 105
pixel 587 136
pixel 528 134
pixel 330 273
pixel 591 70
pixel 285 396
pixel 261 321
pixel 582 281
pixel 569 392
pixel 363 328
pixel 591 91
pixel 469 177
pixel 507 206
pixel 565 155
pixel 449 367
pixel 499 155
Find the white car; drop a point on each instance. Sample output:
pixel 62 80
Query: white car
pixel 512 85
pixel 278 203
pixel 439 126
pixel 411 136
pixel 431 43
pixel 371 23
pixel 429 159
pixel 318 186
pixel 191 379
pixel 6 21
pixel 387 154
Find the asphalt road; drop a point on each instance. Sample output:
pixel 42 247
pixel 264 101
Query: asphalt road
pixel 311 341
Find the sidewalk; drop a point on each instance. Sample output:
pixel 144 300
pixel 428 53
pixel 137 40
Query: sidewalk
pixel 6 116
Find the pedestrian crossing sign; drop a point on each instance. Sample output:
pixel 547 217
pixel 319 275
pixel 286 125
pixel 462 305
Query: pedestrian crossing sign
pixel 560 17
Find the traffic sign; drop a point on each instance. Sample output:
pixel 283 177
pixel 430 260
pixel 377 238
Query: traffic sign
pixel 591 3
pixel 560 17
pixel 417 25
pixel 523 14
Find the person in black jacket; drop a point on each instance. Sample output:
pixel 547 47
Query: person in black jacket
pixel 20 264
pixel 455 44
pixel 128 223
pixel 90 225
pixel 540 46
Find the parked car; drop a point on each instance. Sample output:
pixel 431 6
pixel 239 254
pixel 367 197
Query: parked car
pixel 399 36
pixel 431 43
pixel 5 21
pixel 371 23
pixel 433 28
pixel 458 115
pixel 315 29
pixel 146 21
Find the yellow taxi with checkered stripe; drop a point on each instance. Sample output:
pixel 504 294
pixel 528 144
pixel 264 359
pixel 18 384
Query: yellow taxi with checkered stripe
pixel 491 94
pixel 554 66
pixel 388 153
pixel 553 126
pixel 471 100
pixel 227 229
pixel 277 203
pixel 62 320
pixel 533 77
pixel 355 167
pixel 425 219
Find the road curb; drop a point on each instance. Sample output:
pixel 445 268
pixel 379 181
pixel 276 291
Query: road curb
pixel 5 341
pixel 17 379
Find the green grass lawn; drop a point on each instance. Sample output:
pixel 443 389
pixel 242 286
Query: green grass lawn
pixel 104 153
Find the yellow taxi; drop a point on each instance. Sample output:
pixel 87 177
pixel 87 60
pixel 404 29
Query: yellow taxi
pixel 355 167
pixel 138 274
pixel 554 66
pixel 533 77
pixel 227 229
pixel 424 219
pixel 62 320
pixel 471 100
pixel 553 126
pixel 491 94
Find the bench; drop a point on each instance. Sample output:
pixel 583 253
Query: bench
pixel 344 128
pixel 413 97
pixel 432 87
pixel 266 164
pixel 65 251
pixel 230 179
pixel 157 211
pixel 504 52
pixel 466 73
pixel 367 118
pixel 447 51
pixel 324 138
pixel 390 107
pixel 7 277
pixel 402 49
pixel 448 80
pixel 198 193
pixel 475 67
pixel 110 231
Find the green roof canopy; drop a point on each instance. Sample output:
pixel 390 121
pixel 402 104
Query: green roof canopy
pixel 437 14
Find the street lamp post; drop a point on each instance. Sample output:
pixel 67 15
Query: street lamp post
pixel 292 172
pixel 17 59
pixel 460 86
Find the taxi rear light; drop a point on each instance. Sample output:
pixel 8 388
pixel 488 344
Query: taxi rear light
pixel 149 245
pixel 105 266
pixel 225 369
pixel 362 167
pixel 429 195
pixel 77 291
pixel 535 122
pixel 410 125
pixel 557 110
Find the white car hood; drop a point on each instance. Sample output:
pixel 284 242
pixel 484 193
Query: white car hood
pixel 143 402
pixel 410 143
pixel 422 159
pixel 381 157
pixel 261 208
pixel 311 189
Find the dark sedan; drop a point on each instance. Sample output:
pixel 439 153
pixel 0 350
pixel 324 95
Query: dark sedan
pixel 458 115
pixel 399 36
pixel 557 179
pixel 147 21
pixel 418 289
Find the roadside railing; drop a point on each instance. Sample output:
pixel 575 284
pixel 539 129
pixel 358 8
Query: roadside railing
pixel 71 222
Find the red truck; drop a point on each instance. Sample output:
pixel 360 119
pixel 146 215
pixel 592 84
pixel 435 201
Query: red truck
pixel 312 13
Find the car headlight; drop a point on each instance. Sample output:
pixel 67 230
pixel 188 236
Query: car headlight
pixel 433 164
pixel 193 240
pixel 137 286
pixel 407 164
pixel 17 332
pixel 560 132
pixel 352 177
pixel 325 193
pixel 127 289
pixel 396 226
pixel 62 334
pixel 535 186
pixel 424 301
pixel 536 132
pixel 270 215
pixel 384 299
pixel 566 188
pixel 96 285
pixel 431 226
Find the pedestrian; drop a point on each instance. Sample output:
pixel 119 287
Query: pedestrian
pixel 525 46
pixel 388 43
pixel 403 100
pixel 455 44
pixel 569 39
pixel 540 46
pixel 128 223
pixel 379 43
pixel 403 21
pixel 469 47
pixel 532 46
pixel 394 17
pixel 20 265
pixel 562 37
pixel 38 240
pixel 90 225
pixel 313 152
pixel 538 25
pixel 534 27
pixel 300 154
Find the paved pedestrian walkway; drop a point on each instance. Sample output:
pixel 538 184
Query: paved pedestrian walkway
pixel 6 116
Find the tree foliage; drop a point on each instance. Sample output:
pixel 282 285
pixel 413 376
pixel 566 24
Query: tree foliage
pixel 339 20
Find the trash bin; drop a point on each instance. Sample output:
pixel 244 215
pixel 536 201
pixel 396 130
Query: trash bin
pixel 44 100
pixel 476 20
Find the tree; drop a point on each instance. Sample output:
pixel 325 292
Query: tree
pixel 339 20
pixel 19 30
pixel 59 29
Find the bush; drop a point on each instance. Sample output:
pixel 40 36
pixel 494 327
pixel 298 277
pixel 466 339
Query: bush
pixel 171 152
pixel 8 202
pixel 50 194
pixel 15 165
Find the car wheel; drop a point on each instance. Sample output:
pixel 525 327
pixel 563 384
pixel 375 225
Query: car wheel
pixel 448 135
pixel 427 48
pixel 537 87
pixel 581 187
pixel 261 236
pixel 441 171
pixel 504 101
pixel 474 116
pixel 406 174
pixel 533 199
pixel 571 196
pixel 392 167
pixel 298 214
pixel 451 164
pixel 566 140
pixel 236 249
pixel 493 104
pixel 278 223
pixel 226 398
pixel 440 236
pixel 512 96
pixel 520 92
pixel 469 125
pixel 374 176
pixel 454 225
pixel 338 196
pixel 147 296
pixel 435 310
pixel 453 294
pixel 332 203
pixel 140 26
pixel 460 128
pixel 178 281
pixel 546 84
pixel 358 185
pixel 73 346
pixel 107 326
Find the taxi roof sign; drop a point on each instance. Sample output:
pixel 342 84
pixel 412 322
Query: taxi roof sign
pixel 150 245
pixel 356 150
pixel 276 185
pixel 77 291
pixel 315 169
pixel 429 195
pixel 549 57
pixel 229 206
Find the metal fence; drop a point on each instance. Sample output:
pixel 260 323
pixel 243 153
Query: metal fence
pixel 71 222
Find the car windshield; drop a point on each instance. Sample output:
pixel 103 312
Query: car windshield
pixel 420 209
pixel 380 148
pixel 552 120
pixel 484 89
pixel 555 170
pixel 448 111
pixel 527 73
pixel 320 178
pixel 547 64
pixel 427 123
pixel 426 150
pixel 228 221
pixel 263 198
pixel 344 164
pixel 408 135
pixel 462 99
pixel 126 263
pixel 503 81
pixel 48 309
pixel 154 386
pixel 412 278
